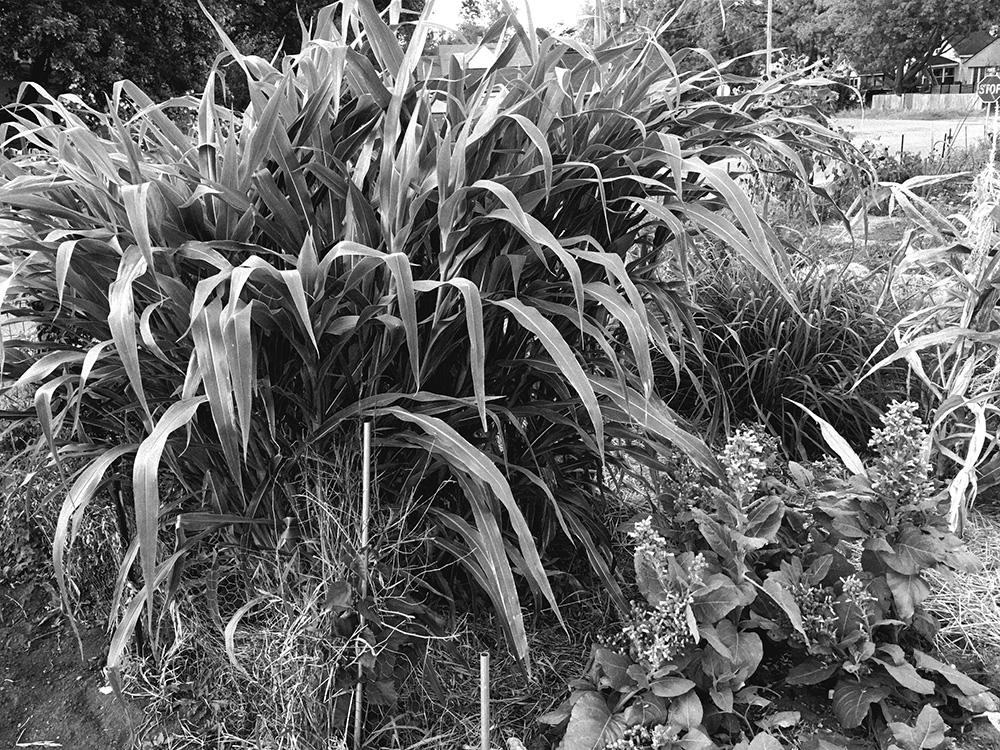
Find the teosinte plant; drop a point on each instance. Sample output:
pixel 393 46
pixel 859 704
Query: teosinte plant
pixel 445 258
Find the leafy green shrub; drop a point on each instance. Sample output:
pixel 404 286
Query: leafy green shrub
pixel 446 259
pixel 784 572
pixel 760 351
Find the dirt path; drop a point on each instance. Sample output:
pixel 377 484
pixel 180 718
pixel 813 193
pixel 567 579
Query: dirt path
pixel 918 136
pixel 49 698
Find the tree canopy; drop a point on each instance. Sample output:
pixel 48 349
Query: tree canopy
pixel 164 46
pixel 900 36
pixel 891 36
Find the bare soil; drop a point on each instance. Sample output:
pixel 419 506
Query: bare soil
pixel 918 136
pixel 50 697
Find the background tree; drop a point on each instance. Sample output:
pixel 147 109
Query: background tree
pixel 84 46
pixel 479 15
pixel 891 36
pixel 164 46
pixel 727 29
pixel 900 36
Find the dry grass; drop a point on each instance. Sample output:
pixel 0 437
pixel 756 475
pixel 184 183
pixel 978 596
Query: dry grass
pixel 449 717
pixel 968 604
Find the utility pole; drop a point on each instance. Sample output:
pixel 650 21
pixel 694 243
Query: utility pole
pixel 600 23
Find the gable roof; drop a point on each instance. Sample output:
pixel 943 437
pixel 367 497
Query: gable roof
pixel 480 57
pixel 973 43
pixel 939 61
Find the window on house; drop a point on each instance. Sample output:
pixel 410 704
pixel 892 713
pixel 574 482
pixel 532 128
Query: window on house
pixel 945 75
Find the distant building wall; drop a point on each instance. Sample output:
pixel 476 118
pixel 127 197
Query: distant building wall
pixel 925 102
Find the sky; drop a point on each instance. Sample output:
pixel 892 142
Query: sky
pixel 546 13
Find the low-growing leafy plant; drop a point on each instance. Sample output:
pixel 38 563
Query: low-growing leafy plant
pixel 819 570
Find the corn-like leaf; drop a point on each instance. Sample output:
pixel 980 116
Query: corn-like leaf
pixel 121 320
pixel 553 342
pixel 465 457
pixel 145 481
pixel 837 443
pixel 71 515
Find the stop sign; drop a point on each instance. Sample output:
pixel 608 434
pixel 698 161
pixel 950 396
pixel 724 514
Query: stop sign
pixel 989 89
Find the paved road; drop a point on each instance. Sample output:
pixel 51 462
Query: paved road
pixel 919 136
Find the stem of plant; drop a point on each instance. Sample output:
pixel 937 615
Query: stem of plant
pixel 366 496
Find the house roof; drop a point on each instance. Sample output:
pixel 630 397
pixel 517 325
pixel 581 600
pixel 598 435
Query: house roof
pixel 479 57
pixel 973 43
pixel 939 61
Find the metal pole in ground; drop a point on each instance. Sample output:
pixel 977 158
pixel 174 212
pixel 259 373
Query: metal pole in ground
pixel 484 700
pixel 366 485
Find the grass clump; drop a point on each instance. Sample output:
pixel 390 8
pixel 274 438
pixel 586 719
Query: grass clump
pixel 760 351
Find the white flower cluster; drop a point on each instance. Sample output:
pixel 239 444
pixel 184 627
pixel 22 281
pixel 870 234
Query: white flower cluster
pixel 633 738
pixel 651 547
pixel 902 469
pixel 743 458
pixel 660 632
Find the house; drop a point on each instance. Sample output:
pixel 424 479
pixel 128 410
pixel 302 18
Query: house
pixel 958 67
pixel 473 58
pixel 942 71
pixel 978 54
pixel 473 61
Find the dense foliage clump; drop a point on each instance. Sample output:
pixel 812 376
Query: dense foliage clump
pixel 807 575
pixel 473 265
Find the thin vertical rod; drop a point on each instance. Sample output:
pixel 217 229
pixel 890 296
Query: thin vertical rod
pixel 770 38
pixel 484 700
pixel 366 499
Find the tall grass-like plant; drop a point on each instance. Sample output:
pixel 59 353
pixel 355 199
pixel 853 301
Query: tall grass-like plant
pixel 950 341
pixel 763 353
pixel 445 258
